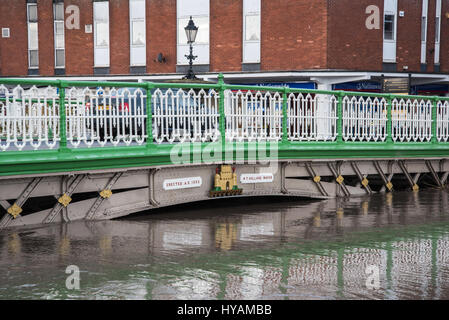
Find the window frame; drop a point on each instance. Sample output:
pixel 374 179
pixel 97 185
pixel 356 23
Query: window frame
pixel 251 13
pixel 423 29
pixel 96 22
pixel 29 36
pixel 393 23
pixel 132 45
pixel 55 34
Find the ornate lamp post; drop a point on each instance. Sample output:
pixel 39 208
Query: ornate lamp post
pixel 191 31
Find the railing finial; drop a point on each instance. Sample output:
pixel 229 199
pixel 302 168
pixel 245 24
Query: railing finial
pixel 220 79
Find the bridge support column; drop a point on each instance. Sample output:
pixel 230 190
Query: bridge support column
pixel 387 181
pixel 316 179
pixel 151 187
pixel 339 178
pixel 434 174
pixel 283 187
pixel 363 179
pixel 64 200
pixel 104 194
pixel 411 181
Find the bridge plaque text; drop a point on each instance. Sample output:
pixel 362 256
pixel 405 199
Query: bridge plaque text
pixel 183 183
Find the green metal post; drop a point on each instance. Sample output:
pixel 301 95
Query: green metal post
pixel 222 111
pixel 340 118
pixel 284 116
pixel 62 117
pixel 434 120
pixel 389 120
pixel 149 126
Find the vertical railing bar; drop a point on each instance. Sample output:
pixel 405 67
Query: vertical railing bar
pixel 221 109
pixel 62 117
pixel 389 120
pixel 284 115
pixel 340 117
pixel 149 125
pixel 434 120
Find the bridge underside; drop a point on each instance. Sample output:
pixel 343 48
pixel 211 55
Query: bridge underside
pixel 108 194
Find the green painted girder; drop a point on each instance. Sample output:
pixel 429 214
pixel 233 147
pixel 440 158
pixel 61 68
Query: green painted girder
pixel 87 159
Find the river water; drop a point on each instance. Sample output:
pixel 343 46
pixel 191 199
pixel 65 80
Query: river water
pixel 386 246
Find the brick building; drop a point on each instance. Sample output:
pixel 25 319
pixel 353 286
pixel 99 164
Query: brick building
pixel 324 43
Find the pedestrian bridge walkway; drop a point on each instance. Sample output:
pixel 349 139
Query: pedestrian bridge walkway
pixel 59 138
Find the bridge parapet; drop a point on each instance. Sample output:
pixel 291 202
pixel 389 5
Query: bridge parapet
pixel 68 120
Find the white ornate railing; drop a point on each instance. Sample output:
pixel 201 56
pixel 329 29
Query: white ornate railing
pixel 411 120
pixel 253 116
pixel 443 121
pixel 364 119
pixel 312 117
pixel 105 116
pixel 185 116
pixel 29 118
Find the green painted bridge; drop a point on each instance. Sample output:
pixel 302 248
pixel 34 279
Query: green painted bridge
pixel 100 150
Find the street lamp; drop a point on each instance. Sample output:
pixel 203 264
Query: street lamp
pixel 191 31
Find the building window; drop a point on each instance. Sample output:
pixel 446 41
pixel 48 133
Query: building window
pixel 437 32
pixel 425 5
pixel 252 28
pixel 58 14
pixel 33 39
pixel 101 33
pixel 138 32
pixel 424 29
pixel 389 27
pixel 251 31
pixel 199 11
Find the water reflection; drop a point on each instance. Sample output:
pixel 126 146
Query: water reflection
pixel 246 250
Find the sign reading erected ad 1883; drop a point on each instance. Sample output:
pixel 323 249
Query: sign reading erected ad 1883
pixel 183 183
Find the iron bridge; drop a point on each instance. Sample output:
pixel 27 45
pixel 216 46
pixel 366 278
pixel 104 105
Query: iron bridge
pixel 88 150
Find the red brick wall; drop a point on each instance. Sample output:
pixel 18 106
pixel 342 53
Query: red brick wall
pixel 46 37
pixel 430 58
pixel 294 34
pixel 226 35
pixel 408 50
pixel 350 44
pixel 79 45
pixel 161 35
pixel 119 36
pixel 14 50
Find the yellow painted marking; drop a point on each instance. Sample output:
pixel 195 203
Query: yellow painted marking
pixel 365 182
pixel 15 210
pixel 340 179
pixel 65 200
pixel 106 194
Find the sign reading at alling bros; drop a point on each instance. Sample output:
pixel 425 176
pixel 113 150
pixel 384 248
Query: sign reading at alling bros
pixel 184 183
pixel 257 178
